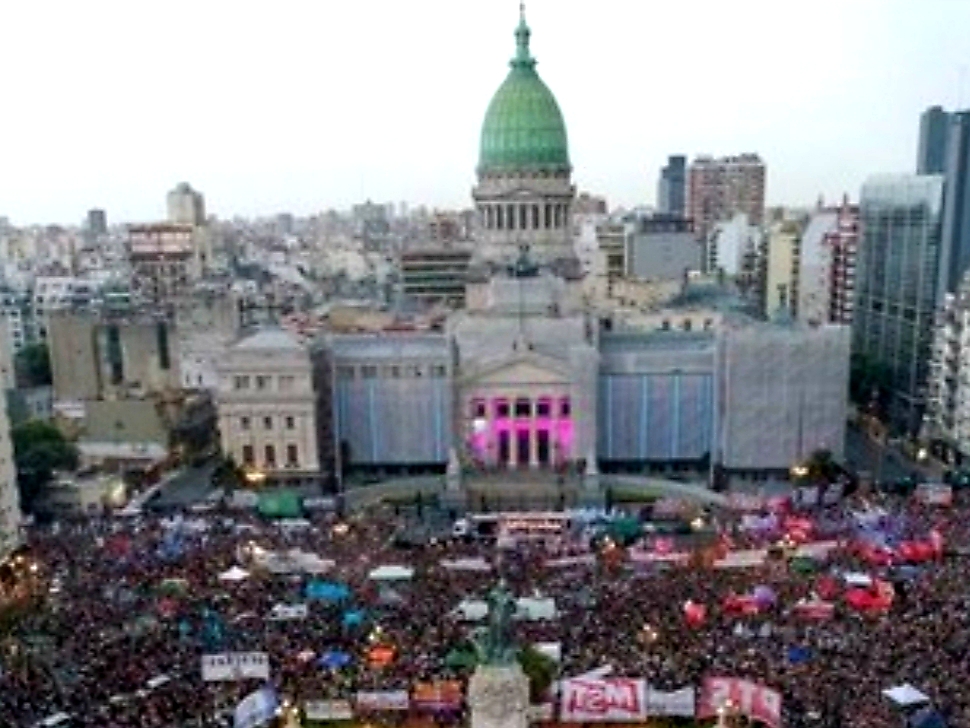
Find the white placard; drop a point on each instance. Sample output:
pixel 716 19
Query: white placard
pixel 231 666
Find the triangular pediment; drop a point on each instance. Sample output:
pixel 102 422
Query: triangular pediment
pixel 529 369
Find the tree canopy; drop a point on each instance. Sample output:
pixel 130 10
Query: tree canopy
pixel 39 449
pixel 33 366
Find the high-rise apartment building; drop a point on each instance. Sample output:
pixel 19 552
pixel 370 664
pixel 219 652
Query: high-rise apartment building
pixel 841 245
pixel 900 280
pixel 672 186
pixel 10 517
pixel 947 419
pixel 97 222
pixel 783 252
pixel 826 283
pixel 186 206
pixel 719 188
pixel 934 129
pixel 163 259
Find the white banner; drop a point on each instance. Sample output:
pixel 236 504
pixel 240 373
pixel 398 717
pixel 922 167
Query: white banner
pixel 376 700
pixel 256 709
pixel 677 702
pixel 934 494
pixel 817 549
pixel 282 612
pixel 231 666
pixel 328 710
pixel 614 700
pixel 742 559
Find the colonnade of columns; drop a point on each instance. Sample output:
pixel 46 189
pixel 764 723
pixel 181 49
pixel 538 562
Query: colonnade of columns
pixel 506 418
pixel 524 215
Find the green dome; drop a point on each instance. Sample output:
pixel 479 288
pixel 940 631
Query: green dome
pixel 523 128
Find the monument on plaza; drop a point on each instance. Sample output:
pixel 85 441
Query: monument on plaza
pixel 498 693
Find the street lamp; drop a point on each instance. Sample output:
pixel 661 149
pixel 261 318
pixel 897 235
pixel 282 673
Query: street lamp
pixel 799 471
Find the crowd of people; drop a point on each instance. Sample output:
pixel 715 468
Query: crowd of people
pixel 124 609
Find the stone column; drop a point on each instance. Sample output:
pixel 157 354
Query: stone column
pixel 513 446
pixel 533 443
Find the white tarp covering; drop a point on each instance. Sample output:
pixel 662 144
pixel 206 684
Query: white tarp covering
pixel 472 564
pixel 391 573
pixel 906 695
pixel 236 573
pixel 282 612
pixel 230 666
pixel 535 609
pixel 742 559
pixel 472 610
pixel 856 579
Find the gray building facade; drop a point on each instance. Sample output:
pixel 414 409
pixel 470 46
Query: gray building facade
pixel 900 280
pixel 662 247
pixel 392 399
pixel 656 397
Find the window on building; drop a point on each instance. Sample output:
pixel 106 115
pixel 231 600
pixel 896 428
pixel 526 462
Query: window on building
pixel 502 408
pixel 564 407
pixel 292 456
pixel 262 382
pixel 478 408
pixel 686 324
pixel 665 325
pixel 368 371
pixel 523 407
pixel 543 408
pixel 247 455
pixel 270 456
pixel 345 372
pixel 267 423
pixel 244 423
pixel 290 422
pixel 287 383
pixel 241 382
pixel 439 371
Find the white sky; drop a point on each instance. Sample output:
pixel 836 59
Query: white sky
pixel 301 106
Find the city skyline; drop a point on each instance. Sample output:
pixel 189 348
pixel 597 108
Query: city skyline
pixel 267 111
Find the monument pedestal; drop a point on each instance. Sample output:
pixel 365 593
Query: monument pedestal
pixel 453 471
pixel 498 696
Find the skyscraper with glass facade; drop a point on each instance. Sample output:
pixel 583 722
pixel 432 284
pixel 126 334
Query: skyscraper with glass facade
pixel 900 280
pixel 934 127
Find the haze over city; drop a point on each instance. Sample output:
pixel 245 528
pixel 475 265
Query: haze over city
pixel 304 106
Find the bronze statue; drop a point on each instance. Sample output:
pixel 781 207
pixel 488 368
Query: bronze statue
pixel 495 646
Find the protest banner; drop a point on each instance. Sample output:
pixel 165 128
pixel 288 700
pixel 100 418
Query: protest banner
pixel 439 695
pixel 671 703
pixel 380 700
pixel 934 494
pixel 586 700
pixel 748 698
pixel 231 666
pixel 328 710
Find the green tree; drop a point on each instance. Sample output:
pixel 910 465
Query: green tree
pixel 820 467
pixel 33 366
pixel 39 449
pixel 228 475
pixel 540 669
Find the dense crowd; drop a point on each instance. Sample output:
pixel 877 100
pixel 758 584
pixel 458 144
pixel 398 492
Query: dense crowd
pixel 127 611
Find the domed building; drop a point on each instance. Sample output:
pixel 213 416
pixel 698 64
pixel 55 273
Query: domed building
pixel 524 189
pixel 530 377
